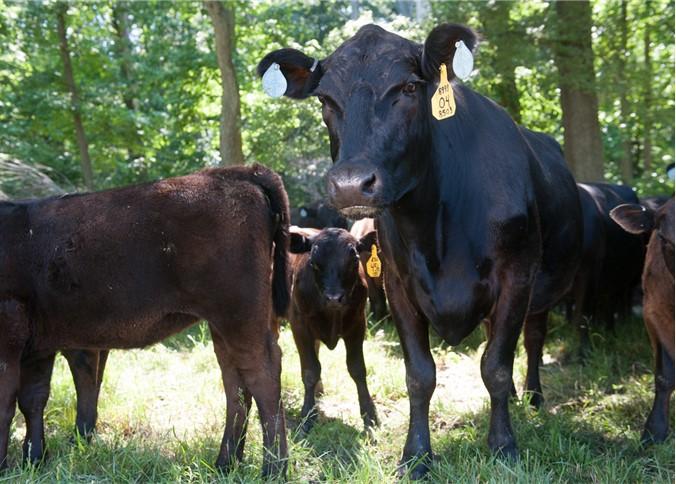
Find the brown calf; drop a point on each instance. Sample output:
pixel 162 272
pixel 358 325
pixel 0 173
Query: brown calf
pixel 658 303
pixel 327 303
pixel 375 286
pixel 128 267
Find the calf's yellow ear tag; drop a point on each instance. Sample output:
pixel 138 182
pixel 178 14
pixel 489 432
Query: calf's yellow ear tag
pixel 373 264
pixel 443 101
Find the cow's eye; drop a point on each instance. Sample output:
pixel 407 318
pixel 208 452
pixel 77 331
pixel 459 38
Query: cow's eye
pixel 409 88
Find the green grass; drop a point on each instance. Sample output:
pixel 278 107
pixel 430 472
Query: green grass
pixel 162 413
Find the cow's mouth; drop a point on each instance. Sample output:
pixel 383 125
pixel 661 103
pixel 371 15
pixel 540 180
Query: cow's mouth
pixel 357 212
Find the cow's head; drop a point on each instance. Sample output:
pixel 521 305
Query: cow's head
pixel 375 91
pixel 637 219
pixel 333 261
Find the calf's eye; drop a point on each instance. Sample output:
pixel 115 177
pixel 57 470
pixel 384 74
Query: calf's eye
pixel 409 88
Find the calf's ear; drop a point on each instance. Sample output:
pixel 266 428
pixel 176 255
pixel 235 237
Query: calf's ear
pixel 364 244
pixel 302 72
pixel 635 219
pixel 439 48
pixel 299 244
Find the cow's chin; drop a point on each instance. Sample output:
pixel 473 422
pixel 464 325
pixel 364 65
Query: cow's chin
pixel 357 212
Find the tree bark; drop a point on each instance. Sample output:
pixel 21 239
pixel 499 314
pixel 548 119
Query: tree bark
pixel 223 20
pixel 647 93
pixel 85 161
pixel 495 20
pixel 123 51
pixel 626 169
pixel 574 59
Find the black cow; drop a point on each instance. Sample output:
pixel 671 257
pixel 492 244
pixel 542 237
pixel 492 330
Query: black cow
pixel 317 215
pixel 128 267
pixel 658 303
pixel 476 218
pixel 327 304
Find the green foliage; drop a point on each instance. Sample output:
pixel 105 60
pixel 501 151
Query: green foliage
pixel 173 79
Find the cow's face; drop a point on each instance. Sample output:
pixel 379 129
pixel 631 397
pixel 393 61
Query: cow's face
pixel 638 219
pixel 375 92
pixel 333 262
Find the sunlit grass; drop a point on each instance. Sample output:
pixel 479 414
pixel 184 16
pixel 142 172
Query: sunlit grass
pixel 162 413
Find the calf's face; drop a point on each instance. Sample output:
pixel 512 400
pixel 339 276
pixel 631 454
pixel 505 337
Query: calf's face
pixel 375 91
pixel 637 219
pixel 333 263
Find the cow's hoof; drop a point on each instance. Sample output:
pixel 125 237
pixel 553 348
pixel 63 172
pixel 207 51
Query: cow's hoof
pixel 414 468
pixel 274 471
pixel 509 452
pixel 649 438
pixel 536 400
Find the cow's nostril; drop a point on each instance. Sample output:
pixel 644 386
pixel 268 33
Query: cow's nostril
pixel 369 184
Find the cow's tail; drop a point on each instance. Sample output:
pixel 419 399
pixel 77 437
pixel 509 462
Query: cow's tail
pixel 273 187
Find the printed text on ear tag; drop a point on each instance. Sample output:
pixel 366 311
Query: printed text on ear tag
pixel 443 102
pixel 373 264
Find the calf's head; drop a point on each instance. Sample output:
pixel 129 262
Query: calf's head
pixel 637 219
pixel 333 262
pixel 375 91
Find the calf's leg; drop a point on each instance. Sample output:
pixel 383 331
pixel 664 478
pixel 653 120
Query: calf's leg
pixel 14 327
pixel 657 426
pixel 311 372
pixel 535 332
pixel 36 374
pixel 357 368
pixel 238 400
pixel 87 367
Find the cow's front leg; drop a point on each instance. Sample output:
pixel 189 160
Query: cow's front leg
pixel 497 363
pixel 354 348
pixel 420 380
pixel 311 371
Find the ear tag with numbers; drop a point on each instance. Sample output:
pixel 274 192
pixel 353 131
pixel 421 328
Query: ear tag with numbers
pixel 463 61
pixel 274 82
pixel 443 101
pixel 373 264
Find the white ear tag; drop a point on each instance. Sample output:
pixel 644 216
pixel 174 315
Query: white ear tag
pixel 463 61
pixel 274 82
pixel 670 173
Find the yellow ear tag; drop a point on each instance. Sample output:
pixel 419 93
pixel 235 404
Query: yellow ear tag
pixel 373 264
pixel 443 101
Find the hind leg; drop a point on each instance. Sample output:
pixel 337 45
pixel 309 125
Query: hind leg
pixel 238 405
pixel 14 326
pixel 36 373
pixel 535 331
pixel 87 367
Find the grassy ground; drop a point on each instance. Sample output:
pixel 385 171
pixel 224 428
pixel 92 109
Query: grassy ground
pixel 162 413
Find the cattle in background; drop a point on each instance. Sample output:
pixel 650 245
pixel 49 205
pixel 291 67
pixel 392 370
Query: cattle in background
pixel 317 215
pixel 473 221
pixel 655 202
pixel 376 291
pixel 327 303
pixel 658 303
pixel 128 267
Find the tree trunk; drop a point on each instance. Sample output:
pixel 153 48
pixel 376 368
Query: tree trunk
pixel 626 169
pixel 123 50
pixel 495 20
pixel 223 20
pixel 574 59
pixel 85 161
pixel 647 94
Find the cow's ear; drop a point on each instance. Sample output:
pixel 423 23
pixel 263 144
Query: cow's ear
pixel 439 48
pixel 635 219
pixel 299 244
pixel 302 73
pixel 364 244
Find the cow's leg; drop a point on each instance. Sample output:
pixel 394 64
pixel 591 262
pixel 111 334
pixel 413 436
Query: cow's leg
pixel 14 327
pixel 497 364
pixel 253 351
pixel 311 372
pixel 377 299
pixel 87 368
pixel 535 332
pixel 657 425
pixel 36 374
pixel 238 405
pixel 420 379
pixel 357 368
